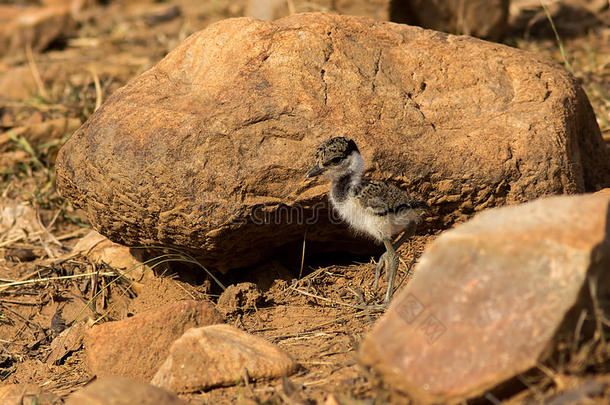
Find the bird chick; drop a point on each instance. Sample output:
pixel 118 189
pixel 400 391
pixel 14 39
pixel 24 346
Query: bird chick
pixel 371 207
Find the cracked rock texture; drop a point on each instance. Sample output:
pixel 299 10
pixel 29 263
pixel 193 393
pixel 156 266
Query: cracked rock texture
pixel 220 355
pixel 495 297
pixel 208 149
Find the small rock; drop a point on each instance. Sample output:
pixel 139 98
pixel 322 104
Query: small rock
pixel 20 394
pixel 239 298
pixel 220 355
pixel 19 222
pixel 100 249
pixel 135 347
pixel 67 342
pixel 494 297
pixel 122 391
pixel 21 255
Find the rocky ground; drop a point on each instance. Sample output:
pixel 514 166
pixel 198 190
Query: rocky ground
pixel 316 309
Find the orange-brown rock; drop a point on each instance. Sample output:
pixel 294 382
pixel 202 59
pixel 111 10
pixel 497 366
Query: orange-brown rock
pixel 122 391
pixel 239 297
pixel 135 347
pixel 208 149
pixel 99 250
pixel 220 355
pixel 494 297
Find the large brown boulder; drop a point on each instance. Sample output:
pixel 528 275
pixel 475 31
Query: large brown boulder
pixel 495 297
pixel 208 149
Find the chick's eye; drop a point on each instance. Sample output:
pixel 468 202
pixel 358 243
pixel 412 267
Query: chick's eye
pixel 335 160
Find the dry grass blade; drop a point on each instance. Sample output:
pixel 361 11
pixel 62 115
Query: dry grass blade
pixel 98 89
pixel 153 262
pixel 35 72
pixel 74 234
pixel 303 254
pixel 180 256
pixel 559 42
pixel 291 8
pixel 11 241
pixel 47 279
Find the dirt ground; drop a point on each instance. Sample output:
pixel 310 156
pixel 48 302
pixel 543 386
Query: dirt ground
pixel 318 313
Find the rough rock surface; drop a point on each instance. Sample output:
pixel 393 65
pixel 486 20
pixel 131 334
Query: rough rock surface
pixel 208 149
pixel 98 249
pixel 220 355
pixel 494 297
pixel 67 342
pixel 122 391
pixel 238 298
pixel 135 347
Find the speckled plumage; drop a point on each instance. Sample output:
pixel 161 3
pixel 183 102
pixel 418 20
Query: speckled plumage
pixel 371 207
pixel 374 208
pixel 383 198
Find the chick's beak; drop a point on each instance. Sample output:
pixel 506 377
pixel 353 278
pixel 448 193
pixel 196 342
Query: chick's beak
pixel 315 171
